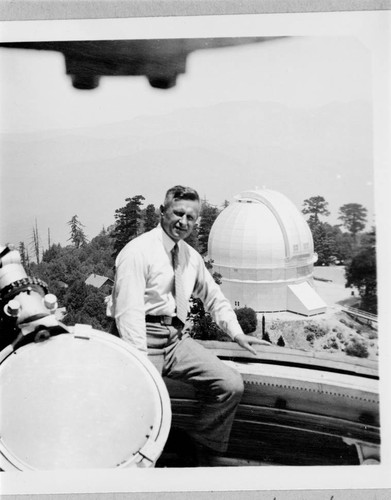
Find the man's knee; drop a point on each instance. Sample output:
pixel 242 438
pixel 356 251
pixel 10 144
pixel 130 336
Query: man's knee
pixel 233 385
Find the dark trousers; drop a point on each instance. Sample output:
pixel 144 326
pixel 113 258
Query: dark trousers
pixel 219 388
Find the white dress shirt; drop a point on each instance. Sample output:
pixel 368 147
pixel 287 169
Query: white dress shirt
pixel 144 285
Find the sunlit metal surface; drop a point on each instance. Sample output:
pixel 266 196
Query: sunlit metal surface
pixel 297 409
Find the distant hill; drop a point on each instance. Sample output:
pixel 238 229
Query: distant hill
pixel 328 132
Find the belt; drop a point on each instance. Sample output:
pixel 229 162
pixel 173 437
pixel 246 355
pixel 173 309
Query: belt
pixel 165 320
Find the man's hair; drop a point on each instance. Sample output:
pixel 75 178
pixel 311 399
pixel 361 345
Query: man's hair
pixel 180 193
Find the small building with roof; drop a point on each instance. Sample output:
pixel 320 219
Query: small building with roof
pixel 102 282
pixel 263 248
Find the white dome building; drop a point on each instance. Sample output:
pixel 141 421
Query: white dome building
pixel 263 248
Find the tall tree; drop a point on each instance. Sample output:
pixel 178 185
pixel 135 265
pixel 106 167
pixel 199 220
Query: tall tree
pixel 100 255
pixel 354 217
pixel 24 256
pixel 324 243
pixel 342 243
pixel 361 273
pixel 36 242
pixel 78 237
pixel 208 215
pixel 151 219
pixel 127 222
pixel 369 239
pixel 331 244
pixel 315 207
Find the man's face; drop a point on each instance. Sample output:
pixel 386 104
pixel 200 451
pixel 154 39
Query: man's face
pixel 179 218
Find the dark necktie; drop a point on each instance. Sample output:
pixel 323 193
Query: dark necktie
pixel 180 298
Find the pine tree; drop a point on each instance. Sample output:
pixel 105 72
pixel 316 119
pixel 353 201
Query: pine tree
pixel 354 218
pixel 315 207
pixel 78 236
pixel 151 218
pixel 265 335
pixel 324 243
pixel 24 256
pixel 127 222
pixel 361 272
pixel 36 242
pixel 208 215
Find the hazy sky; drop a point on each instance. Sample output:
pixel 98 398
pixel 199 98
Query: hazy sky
pixel 301 72
pixel 37 98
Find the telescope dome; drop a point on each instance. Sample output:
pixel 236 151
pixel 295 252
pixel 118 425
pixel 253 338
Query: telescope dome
pixel 263 248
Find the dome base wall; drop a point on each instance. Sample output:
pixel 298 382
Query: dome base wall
pixel 300 298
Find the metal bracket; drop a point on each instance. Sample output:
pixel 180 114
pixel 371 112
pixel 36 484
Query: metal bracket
pixel 150 451
pixel 368 453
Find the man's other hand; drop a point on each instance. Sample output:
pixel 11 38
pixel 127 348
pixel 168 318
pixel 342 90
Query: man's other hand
pixel 245 342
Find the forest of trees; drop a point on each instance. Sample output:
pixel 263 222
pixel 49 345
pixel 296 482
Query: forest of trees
pixel 66 268
pixel 354 248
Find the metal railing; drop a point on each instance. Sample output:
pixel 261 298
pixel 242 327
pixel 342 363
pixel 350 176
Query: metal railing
pixel 359 313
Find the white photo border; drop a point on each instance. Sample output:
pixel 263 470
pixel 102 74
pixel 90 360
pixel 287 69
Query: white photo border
pixel 373 29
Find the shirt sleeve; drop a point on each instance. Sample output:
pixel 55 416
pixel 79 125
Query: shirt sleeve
pixel 128 298
pixel 215 302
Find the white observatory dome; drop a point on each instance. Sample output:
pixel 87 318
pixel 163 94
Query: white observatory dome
pixel 263 248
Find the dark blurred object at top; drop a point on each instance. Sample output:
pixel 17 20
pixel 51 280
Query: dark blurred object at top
pixel 161 61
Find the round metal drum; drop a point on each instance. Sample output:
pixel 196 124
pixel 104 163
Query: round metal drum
pixel 81 400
